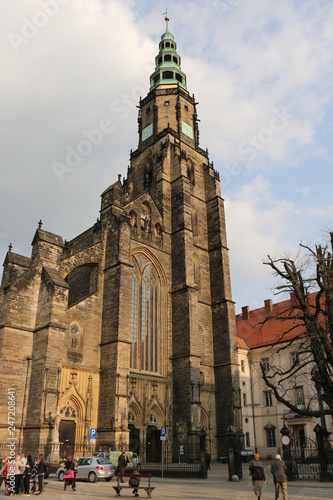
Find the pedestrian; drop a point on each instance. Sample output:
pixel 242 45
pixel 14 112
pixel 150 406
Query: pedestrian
pixel 69 478
pixel 122 464
pixel 17 473
pixel 258 476
pixel 278 469
pixel 27 474
pixel 4 471
pixel 34 477
pixel 23 462
pixel 135 481
pixel 41 473
pixel 208 459
pixel 75 461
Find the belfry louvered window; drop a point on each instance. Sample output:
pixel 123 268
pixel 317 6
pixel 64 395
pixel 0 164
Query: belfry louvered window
pixel 144 316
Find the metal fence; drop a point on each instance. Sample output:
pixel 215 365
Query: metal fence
pixel 304 458
pixel 180 458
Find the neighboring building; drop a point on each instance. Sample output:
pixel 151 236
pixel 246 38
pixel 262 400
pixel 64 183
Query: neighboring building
pixel 263 416
pixel 131 325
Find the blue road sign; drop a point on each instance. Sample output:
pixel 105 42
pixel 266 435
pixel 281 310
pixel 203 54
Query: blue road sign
pixel 163 431
pixel 93 433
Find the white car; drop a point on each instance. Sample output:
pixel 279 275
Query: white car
pixel 91 469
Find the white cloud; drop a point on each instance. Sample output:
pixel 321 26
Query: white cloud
pixel 92 60
pixel 304 191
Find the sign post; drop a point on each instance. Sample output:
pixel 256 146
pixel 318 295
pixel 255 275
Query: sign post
pixel 93 434
pixel 163 438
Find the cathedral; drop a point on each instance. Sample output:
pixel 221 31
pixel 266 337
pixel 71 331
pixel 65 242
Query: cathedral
pixel 130 326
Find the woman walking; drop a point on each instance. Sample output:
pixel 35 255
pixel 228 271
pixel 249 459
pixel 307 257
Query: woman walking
pixel 258 476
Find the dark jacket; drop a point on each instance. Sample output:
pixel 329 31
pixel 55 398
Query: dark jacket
pixel 41 468
pixel 122 461
pixel 69 465
pixel 257 471
pixel 29 466
pixel 278 468
pixel 134 481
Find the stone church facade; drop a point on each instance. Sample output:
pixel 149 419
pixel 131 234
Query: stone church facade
pixel 130 326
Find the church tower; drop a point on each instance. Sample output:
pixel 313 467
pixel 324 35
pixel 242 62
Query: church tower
pixel 168 340
pixel 129 327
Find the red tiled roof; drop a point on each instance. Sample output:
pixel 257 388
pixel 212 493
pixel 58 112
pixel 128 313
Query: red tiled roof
pixel 241 344
pixel 255 333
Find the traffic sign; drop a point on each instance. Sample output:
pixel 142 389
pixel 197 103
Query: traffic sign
pixel 93 434
pixel 285 440
pixel 163 433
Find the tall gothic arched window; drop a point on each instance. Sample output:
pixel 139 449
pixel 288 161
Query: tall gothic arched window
pixel 145 316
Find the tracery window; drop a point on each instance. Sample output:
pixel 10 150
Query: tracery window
pixel 152 418
pixel 144 316
pixel 67 411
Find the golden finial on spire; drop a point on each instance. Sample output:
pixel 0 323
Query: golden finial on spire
pixel 166 18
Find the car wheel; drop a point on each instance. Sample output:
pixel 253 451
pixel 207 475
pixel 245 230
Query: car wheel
pixel 61 476
pixel 108 479
pixel 92 477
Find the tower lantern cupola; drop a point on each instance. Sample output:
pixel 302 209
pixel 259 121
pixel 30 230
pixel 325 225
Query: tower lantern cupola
pixel 167 63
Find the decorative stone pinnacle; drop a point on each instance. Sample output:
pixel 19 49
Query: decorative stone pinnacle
pixel 10 246
pixel 40 223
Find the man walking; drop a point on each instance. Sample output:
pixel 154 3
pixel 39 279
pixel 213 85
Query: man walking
pixel 278 468
pixel 122 464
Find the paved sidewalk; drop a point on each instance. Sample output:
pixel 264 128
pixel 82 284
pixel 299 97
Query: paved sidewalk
pixel 216 487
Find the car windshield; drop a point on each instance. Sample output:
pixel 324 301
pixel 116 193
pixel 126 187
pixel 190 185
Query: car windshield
pixel 103 461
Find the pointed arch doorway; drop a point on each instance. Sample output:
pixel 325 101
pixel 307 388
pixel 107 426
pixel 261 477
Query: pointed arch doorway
pixel 153 444
pixel 67 430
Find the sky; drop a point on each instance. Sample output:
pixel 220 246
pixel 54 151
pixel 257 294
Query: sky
pixel 261 71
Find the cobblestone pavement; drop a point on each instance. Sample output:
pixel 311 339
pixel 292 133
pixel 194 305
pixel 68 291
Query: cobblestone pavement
pixel 216 487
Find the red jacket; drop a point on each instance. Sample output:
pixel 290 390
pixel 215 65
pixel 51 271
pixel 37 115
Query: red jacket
pixel 5 472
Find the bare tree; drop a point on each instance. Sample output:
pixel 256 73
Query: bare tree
pixel 307 325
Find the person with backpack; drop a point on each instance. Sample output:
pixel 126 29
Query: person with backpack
pixel 258 476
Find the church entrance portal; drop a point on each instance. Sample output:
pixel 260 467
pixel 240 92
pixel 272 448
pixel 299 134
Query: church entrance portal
pixel 134 444
pixel 67 430
pixel 153 447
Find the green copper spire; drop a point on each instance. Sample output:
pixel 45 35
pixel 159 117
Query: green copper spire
pixel 167 62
